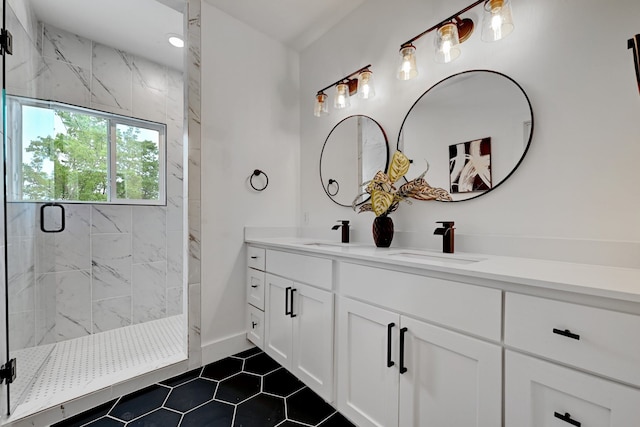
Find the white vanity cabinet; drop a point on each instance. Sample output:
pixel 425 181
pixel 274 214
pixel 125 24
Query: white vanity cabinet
pixel 255 289
pixel 396 370
pixel 298 324
pixel 540 393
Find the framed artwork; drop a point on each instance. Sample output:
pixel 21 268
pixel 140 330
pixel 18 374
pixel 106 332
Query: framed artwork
pixel 470 166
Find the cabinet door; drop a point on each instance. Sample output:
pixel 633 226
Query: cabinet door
pixel 278 328
pixel 313 339
pixel 543 394
pixel 451 379
pixel 367 386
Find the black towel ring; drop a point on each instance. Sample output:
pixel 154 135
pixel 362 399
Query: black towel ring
pixel 255 173
pixel 333 181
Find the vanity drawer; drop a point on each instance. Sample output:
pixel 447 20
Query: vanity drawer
pixel 255 288
pixel 301 268
pixel 543 394
pixel 598 340
pixel 255 258
pixel 255 325
pixel 473 309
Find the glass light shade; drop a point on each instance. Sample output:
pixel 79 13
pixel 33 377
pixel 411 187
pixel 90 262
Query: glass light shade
pixel 366 89
pixel 408 68
pixel 320 107
pixel 447 43
pixel 341 98
pixel 497 22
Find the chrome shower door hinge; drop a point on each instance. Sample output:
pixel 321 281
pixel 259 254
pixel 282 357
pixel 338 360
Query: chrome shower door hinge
pixel 6 42
pixel 8 372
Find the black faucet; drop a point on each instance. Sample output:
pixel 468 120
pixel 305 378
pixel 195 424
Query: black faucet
pixel 345 230
pixel 446 231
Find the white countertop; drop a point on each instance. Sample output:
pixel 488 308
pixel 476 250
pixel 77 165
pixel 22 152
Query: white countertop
pixel 596 280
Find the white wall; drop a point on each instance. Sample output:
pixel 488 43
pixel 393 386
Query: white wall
pixel 579 179
pixel 250 120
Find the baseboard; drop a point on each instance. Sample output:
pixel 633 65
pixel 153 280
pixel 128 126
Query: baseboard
pixel 225 347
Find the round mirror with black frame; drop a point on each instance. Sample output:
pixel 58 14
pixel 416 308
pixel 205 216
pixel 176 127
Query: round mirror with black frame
pixel 472 128
pixel 355 149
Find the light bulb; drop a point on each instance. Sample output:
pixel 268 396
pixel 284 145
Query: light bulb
pixel 447 43
pixel 497 22
pixel 366 89
pixel 408 69
pixel 320 107
pixel 341 98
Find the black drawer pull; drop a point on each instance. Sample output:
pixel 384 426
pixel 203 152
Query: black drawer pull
pixel 566 333
pixel 254 286
pixel 291 312
pixel 403 368
pixel 254 257
pixel 567 419
pixel 390 362
pixel 253 325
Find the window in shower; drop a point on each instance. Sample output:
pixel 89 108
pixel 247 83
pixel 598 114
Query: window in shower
pixel 60 152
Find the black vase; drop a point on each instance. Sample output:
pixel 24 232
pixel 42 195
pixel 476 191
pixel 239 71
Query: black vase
pixel 383 231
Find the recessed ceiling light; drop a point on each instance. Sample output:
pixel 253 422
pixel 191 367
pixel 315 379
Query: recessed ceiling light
pixel 176 40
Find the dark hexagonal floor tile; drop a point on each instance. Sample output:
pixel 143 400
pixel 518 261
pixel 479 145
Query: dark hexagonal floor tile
pixel 337 420
pixel 139 403
pixel 189 395
pixel 248 353
pixel 307 407
pixel 281 383
pixel 238 388
pixel 105 422
pixel 222 369
pixel 212 414
pixel 260 364
pixel 160 418
pixel 87 416
pixel 290 423
pixel 181 379
pixel 260 411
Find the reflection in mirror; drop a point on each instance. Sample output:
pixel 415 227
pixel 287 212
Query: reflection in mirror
pixel 113 88
pixel 354 151
pixel 472 128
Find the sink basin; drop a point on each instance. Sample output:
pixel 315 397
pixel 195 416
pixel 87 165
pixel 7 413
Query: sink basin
pixel 435 257
pixel 325 245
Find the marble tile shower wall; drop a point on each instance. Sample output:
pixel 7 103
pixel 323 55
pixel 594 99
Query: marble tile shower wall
pixel 113 265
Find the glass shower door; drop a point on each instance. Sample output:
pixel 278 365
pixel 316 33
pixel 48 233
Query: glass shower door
pixel 4 331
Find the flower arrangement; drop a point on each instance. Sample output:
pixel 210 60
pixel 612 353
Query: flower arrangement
pixel 385 198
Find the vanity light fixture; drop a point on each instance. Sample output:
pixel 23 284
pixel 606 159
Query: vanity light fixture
pixel 360 82
pixel 497 24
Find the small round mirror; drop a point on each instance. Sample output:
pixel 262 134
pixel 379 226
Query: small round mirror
pixel 473 129
pixel 354 151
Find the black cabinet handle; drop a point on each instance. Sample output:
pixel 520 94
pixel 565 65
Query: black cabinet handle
pixel 287 312
pixel 254 286
pixel 566 333
pixel 403 368
pixel 390 362
pixel 254 257
pixel 253 325
pixel 291 313
pixel 567 419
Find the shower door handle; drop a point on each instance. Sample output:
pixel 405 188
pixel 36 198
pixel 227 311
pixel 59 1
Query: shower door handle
pixel 43 208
